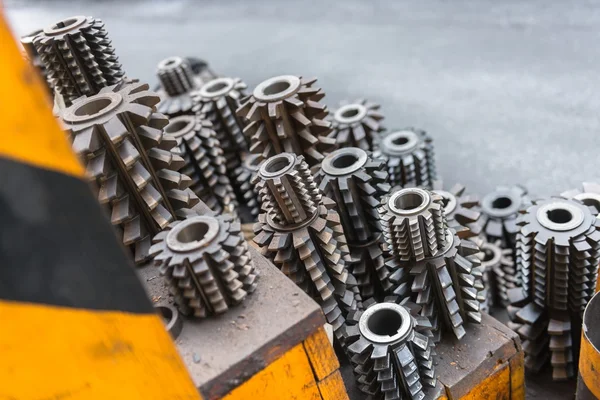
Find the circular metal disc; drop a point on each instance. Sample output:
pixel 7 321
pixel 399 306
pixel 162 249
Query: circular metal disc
pixel 207 229
pixel 394 198
pixel 93 107
pixel 401 333
pixel 344 161
pixel 450 200
pixel 350 113
pixel 216 88
pixel 277 165
pixel 399 142
pixel 277 88
pixel 575 214
pixel 183 124
pixel 70 23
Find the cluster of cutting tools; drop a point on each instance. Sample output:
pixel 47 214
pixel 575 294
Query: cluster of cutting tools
pixel 352 212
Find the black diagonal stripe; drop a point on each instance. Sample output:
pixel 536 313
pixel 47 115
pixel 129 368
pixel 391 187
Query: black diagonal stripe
pixel 57 247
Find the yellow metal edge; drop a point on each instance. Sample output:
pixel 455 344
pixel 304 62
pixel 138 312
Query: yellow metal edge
pixel 30 133
pixel 53 352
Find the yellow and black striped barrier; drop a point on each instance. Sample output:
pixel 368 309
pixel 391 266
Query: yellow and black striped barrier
pixel 588 381
pixel 76 323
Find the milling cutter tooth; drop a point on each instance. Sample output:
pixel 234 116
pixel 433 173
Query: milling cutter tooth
pixel 203 161
pixel 300 231
pixel 409 157
pixel 356 183
pixel 357 124
pixel 391 364
pixel 78 57
pixel 217 101
pixel 448 286
pixel 119 137
pixel 462 210
pixel 249 202
pixel 557 260
pixel 206 263
pixel 414 225
pixel 177 83
pixel 500 272
pixel 500 210
pixel 283 115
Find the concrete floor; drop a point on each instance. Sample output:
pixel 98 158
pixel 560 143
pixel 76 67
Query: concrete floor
pixel 509 90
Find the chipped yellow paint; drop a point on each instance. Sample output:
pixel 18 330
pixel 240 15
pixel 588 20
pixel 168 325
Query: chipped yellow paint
pixel 517 376
pixel 64 353
pixel 589 365
pixel 496 386
pixel 289 377
pixel 30 134
pixel 332 387
pixel 321 354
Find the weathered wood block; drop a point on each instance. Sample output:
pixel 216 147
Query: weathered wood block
pixel 272 346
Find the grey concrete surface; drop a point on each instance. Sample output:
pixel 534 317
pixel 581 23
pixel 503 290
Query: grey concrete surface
pixel 509 90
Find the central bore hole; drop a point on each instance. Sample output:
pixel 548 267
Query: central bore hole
pixel 277 165
pixel 409 201
pixel 399 141
pixel 349 113
pixel 165 313
pixel 193 233
pixel 592 202
pixel 344 161
pixel 384 322
pixel 560 216
pixel 171 61
pixel 445 201
pixel 216 87
pixel 502 202
pixel 276 87
pixel 64 24
pixel 488 255
pixel 93 107
pixel 176 126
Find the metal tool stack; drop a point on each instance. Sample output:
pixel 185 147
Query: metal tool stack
pixel 354 214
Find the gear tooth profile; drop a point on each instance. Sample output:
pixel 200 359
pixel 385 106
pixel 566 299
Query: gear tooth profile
pixel 283 115
pixel 78 56
pixel 500 273
pixel 249 202
pixel 356 182
pixel 558 251
pixel 356 125
pixel 588 194
pixel 300 231
pixel 204 163
pixel 206 263
pixel 218 101
pixel 177 83
pixel 462 210
pixel 409 156
pixel 116 133
pixel 414 224
pixel 449 286
pixel 391 351
pixel 500 210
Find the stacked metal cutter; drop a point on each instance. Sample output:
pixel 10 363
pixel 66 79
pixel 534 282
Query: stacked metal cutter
pixel 351 212
pixel 150 169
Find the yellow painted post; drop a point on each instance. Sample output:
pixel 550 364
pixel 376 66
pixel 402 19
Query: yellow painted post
pixel 76 322
pixel 588 381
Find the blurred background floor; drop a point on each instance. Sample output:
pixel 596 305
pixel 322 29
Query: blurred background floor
pixel 509 90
